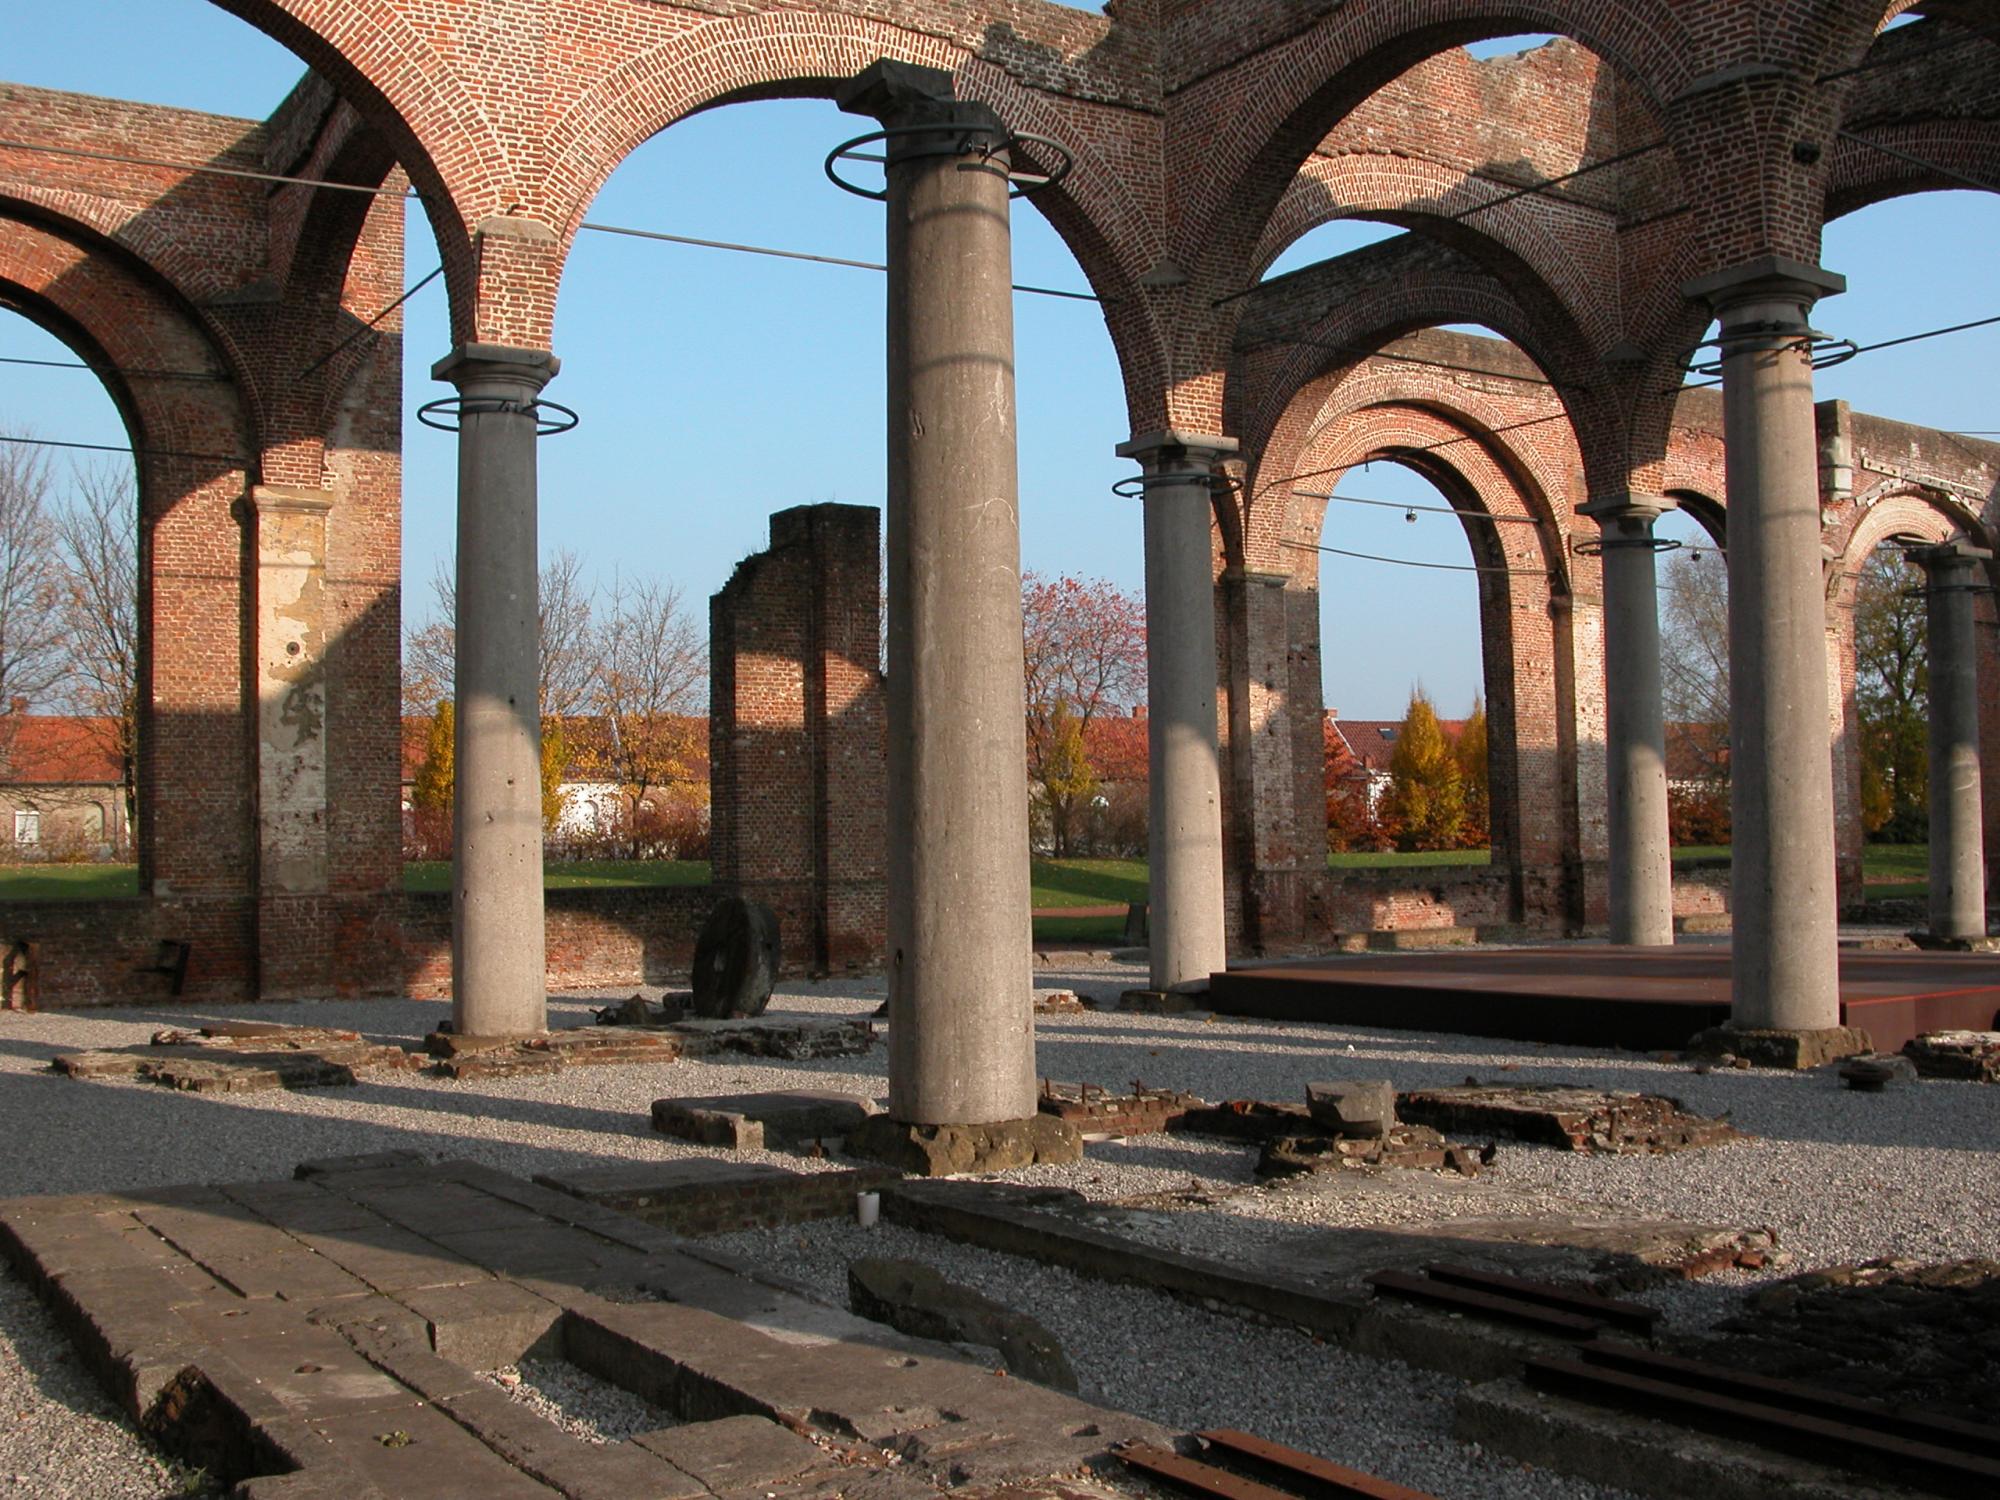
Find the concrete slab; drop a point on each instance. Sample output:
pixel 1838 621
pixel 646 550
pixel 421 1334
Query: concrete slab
pixel 775 1121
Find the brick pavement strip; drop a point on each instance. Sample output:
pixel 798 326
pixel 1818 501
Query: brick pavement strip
pixel 320 1338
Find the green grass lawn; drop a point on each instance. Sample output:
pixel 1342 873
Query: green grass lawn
pixel 1086 882
pixel 67 882
pixel 1367 859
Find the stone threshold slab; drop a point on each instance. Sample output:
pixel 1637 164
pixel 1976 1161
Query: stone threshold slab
pixel 322 1336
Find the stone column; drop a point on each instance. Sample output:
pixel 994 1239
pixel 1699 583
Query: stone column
pixel 1184 910
pixel 1642 894
pixel 499 974
pixel 1782 893
pixel 1953 575
pixel 961 1022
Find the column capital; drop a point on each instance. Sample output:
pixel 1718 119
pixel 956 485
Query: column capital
pixel 903 94
pixel 1958 552
pixel 502 363
pixel 290 499
pixel 1767 278
pixel 1628 505
pixel 1170 449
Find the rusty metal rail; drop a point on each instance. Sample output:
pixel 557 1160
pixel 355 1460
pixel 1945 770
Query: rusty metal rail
pixel 1495 1306
pixel 1930 1453
pixel 1257 1469
pixel 1633 1317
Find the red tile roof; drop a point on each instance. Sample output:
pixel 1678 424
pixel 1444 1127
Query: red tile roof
pixel 1373 741
pixel 59 750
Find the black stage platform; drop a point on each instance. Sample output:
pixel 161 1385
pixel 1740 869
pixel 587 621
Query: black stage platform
pixel 1642 998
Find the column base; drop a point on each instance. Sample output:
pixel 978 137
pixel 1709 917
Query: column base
pixel 1165 1002
pixel 946 1150
pixel 1771 1047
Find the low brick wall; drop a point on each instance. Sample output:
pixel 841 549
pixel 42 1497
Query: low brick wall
pixel 596 938
pixel 1408 899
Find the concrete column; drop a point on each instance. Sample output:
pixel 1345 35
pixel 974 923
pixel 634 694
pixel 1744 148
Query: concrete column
pixel 1184 909
pixel 499 973
pixel 1642 893
pixel 1953 574
pixel 961 1022
pixel 1782 892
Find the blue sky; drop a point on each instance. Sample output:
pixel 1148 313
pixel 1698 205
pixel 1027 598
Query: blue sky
pixel 716 388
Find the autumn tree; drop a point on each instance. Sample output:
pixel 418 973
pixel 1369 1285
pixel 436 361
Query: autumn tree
pixel 432 786
pixel 31 609
pixel 1694 642
pixel 1426 797
pixel 97 551
pixel 568 645
pixel 651 664
pixel 1892 696
pixel 1084 645
pixel 1469 752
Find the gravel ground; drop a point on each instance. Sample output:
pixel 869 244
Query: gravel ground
pixel 1841 1176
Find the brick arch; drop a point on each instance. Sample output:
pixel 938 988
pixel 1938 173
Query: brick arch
pixel 1860 178
pixel 193 776
pixel 808 54
pixel 1297 91
pixel 1911 511
pixel 1525 667
pixel 1707 511
pixel 91 292
pixel 1291 388
pixel 1421 196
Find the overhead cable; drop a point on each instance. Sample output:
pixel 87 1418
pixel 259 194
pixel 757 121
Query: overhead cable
pixel 369 326
pixel 149 452
pixel 1405 562
pixel 1412 511
pixel 1951 173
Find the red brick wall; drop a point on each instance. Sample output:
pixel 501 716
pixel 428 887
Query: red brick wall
pixel 795 734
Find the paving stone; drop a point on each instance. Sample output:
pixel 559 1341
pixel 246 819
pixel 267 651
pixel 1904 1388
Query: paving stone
pixel 390 1259
pixel 484 1324
pixel 311 1372
pixel 733 1452
pixel 423 1452
pixel 579 1470
pixel 775 1120
pixel 365 1161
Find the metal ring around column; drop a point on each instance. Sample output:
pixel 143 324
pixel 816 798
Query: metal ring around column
pixel 1597 546
pixel 1823 349
pixel 969 143
pixel 1134 486
pixel 447 413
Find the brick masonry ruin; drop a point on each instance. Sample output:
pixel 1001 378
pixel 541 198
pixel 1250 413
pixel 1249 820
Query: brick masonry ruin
pixel 1208 136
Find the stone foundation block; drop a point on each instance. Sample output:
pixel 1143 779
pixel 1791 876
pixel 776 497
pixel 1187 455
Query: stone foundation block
pixel 1772 1048
pixel 759 1122
pixel 912 1298
pixel 945 1150
pixel 1363 1108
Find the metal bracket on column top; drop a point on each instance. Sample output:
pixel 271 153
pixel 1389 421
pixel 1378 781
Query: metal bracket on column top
pixel 447 413
pixel 962 140
pixel 1134 486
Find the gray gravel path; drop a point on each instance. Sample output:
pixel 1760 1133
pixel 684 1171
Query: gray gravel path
pixel 1841 1176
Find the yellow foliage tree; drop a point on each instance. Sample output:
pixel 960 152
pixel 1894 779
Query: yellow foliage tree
pixel 555 760
pixel 1426 797
pixel 431 791
pixel 1469 750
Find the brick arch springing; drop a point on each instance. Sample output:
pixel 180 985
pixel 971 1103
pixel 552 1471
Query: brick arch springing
pixel 389 67
pixel 1860 178
pixel 806 54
